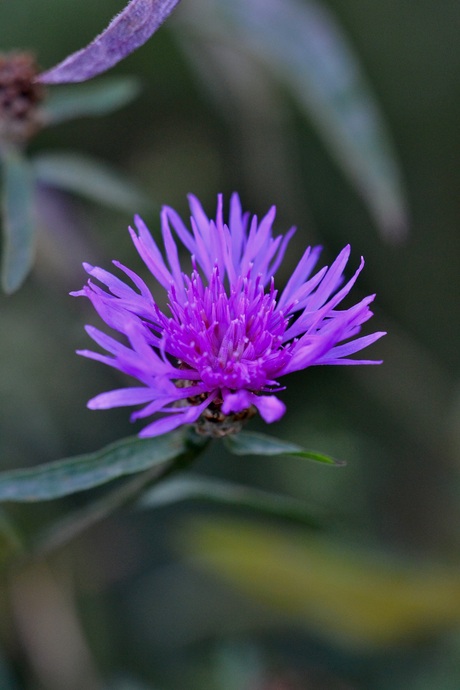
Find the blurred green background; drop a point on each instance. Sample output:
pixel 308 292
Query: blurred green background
pixel 193 597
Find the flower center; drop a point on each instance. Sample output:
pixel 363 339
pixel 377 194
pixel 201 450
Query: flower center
pixel 232 339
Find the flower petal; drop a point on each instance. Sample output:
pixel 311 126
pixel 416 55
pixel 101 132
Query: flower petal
pixel 270 407
pixel 121 397
pixel 188 416
pixel 335 355
pixel 236 402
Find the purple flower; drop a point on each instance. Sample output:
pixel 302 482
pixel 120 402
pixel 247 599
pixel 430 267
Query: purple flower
pixel 126 32
pixel 214 356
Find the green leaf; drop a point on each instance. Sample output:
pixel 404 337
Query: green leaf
pixel 17 220
pixel 215 491
pixel 94 99
pixel 90 178
pixel 303 45
pixel 64 477
pixel 250 443
pixel 156 469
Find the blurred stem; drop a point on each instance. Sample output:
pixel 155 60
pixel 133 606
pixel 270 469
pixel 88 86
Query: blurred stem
pixel 73 525
pixel 8 148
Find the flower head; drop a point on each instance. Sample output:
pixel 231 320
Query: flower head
pixel 214 356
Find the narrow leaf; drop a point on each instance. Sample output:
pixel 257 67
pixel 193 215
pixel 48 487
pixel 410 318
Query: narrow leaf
pixel 17 220
pixel 64 477
pixel 250 443
pixel 126 493
pixel 71 526
pixel 90 178
pixel 126 32
pixel 105 96
pixel 301 42
pixel 219 492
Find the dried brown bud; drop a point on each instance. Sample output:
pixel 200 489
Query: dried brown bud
pixel 20 98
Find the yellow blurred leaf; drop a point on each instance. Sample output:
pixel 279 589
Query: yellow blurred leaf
pixel 354 597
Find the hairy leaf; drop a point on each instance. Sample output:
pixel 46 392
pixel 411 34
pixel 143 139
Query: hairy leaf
pixel 126 32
